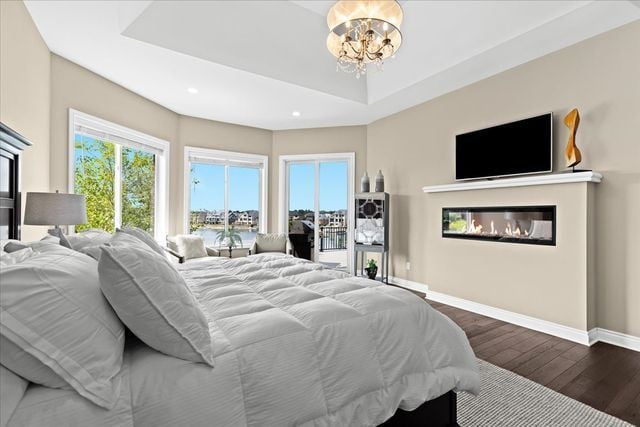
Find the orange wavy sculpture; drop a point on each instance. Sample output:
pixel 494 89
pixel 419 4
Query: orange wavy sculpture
pixel 571 153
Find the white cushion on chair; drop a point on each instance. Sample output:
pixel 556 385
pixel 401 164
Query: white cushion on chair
pixel 190 246
pixel 271 243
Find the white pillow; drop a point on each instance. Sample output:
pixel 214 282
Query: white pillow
pixel 145 237
pixel 89 241
pixel 190 246
pixel 51 307
pixel 12 258
pixel 4 242
pixel 88 238
pixel 153 300
pixel 12 388
pixel 27 366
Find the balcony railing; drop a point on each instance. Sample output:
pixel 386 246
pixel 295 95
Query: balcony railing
pixel 333 238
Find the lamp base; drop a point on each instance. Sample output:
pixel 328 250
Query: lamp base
pixel 57 232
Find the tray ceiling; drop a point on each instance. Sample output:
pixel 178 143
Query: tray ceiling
pixel 255 62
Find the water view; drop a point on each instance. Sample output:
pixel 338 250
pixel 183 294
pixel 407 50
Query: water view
pixel 210 236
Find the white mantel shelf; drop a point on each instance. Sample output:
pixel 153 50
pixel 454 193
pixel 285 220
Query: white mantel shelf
pixel 555 178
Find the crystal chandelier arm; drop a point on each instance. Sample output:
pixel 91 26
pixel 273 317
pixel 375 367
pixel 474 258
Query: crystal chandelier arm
pixel 385 42
pixel 373 56
pixel 357 53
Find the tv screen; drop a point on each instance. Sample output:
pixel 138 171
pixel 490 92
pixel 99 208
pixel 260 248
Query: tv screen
pixel 520 147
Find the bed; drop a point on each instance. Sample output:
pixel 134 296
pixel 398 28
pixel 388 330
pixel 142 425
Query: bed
pixel 294 344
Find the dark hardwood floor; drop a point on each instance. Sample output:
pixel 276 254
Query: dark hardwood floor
pixel 603 376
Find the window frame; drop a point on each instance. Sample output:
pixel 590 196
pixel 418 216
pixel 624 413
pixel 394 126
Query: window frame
pixel 140 140
pixel 226 159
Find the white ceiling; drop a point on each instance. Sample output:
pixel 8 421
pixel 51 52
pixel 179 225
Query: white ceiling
pixel 255 62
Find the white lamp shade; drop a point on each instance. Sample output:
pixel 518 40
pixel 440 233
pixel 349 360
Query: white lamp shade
pixel 347 10
pixel 55 209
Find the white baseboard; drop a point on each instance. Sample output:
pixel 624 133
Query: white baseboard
pixel 615 338
pixel 414 286
pixel 566 332
pixel 551 328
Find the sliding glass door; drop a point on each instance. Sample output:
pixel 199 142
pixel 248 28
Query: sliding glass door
pixel 316 206
pixel 332 211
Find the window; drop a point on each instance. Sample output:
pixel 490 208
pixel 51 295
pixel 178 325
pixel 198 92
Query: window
pixel 122 173
pixel 226 193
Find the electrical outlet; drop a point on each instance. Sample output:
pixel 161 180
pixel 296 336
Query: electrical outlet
pixel 408 266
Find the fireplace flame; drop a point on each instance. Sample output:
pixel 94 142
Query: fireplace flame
pixel 474 228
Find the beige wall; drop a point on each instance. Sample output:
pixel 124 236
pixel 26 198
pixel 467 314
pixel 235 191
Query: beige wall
pixel 24 96
pixel 416 148
pixel 73 86
pixel 348 139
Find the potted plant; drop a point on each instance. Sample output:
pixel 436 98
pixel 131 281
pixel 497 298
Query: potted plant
pixel 372 269
pixel 229 238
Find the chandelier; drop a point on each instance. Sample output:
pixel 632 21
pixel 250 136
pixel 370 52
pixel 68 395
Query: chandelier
pixel 363 32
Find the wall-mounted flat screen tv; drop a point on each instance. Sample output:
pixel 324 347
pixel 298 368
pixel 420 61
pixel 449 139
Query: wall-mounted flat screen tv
pixel 515 148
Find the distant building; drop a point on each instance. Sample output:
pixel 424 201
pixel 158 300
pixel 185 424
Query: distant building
pixel 214 217
pixel 244 219
pixel 198 217
pixel 338 219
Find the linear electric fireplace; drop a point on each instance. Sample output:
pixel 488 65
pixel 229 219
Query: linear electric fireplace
pixel 533 225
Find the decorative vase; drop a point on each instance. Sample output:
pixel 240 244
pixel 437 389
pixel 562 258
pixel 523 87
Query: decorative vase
pixel 371 272
pixel 364 183
pixel 379 182
pixel 571 152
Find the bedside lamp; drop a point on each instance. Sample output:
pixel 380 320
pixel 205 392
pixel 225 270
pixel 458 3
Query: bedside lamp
pixel 55 209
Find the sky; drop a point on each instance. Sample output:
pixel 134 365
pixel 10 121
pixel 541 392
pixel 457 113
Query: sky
pixel 333 185
pixel 208 193
pixel 244 187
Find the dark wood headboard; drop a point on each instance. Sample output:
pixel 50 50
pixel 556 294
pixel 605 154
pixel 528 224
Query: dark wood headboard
pixel 11 146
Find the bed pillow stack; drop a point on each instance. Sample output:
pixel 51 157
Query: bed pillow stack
pixel 56 328
pixel 153 300
pixel 12 388
pixel 143 236
pixel 89 241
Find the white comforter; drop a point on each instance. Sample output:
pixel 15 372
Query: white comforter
pixel 294 344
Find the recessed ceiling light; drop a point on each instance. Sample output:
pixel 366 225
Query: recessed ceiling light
pixel 192 90
pixel 296 114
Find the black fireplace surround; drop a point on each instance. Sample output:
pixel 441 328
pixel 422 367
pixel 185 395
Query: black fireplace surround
pixel 531 225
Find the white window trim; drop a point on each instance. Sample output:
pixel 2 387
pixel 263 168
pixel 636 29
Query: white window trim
pixel 316 159
pixel 162 163
pixel 232 159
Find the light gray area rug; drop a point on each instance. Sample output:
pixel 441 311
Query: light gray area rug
pixel 507 399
